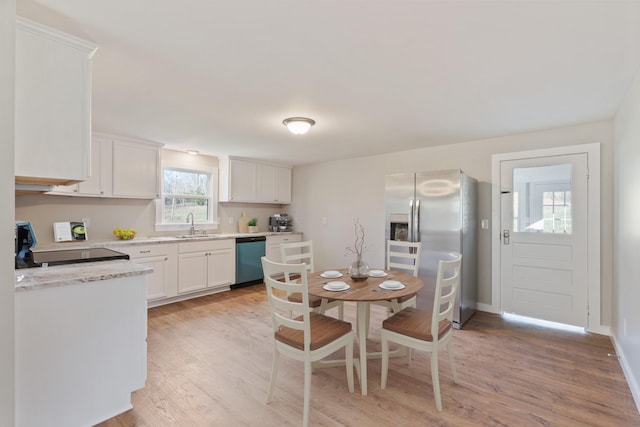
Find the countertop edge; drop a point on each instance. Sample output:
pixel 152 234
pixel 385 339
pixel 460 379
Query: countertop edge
pixel 48 277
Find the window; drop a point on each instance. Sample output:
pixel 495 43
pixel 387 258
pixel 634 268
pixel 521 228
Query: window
pixel 185 192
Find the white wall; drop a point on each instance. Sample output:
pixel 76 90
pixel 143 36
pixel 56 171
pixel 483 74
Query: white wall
pixel 7 34
pixel 626 319
pixel 339 191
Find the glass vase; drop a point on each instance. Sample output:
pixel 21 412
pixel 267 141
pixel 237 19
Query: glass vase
pixel 359 270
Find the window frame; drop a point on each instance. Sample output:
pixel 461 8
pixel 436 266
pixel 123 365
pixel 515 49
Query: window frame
pixel 212 220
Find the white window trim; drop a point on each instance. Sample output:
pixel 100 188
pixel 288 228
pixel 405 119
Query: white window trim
pixel 213 223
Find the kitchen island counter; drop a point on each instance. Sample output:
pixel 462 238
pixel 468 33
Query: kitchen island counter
pixel 46 277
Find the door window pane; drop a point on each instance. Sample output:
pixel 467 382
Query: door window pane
pixel 542 199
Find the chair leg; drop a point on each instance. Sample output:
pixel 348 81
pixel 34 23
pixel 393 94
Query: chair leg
pixel 385 360
pixel 435 378
pixel 274 373
pixel 349 359
pixel 307 392
pixel 452 362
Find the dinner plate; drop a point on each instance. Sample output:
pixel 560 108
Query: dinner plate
pixel 335 286
pixel 331 274
pixel 377 273
pixel 392 285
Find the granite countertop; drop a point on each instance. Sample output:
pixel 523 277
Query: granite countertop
pixel 45 277
pixel 151 240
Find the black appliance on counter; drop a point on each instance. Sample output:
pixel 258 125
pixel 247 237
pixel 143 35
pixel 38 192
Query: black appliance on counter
pixel 280 222
pixel 26 258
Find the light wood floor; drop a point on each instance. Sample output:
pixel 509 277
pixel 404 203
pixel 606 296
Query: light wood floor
pixel 210 358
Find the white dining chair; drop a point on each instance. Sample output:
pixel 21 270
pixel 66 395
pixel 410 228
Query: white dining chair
pixel 426 331
pixel 401 256
pixel 307 336
pixel 302 252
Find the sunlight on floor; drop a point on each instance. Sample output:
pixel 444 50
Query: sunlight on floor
pixel 561 326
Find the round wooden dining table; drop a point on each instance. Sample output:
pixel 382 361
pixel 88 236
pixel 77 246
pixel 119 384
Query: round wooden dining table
pixel 363 293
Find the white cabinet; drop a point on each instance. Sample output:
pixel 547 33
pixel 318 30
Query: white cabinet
pixel 273 244
pixel 99 183
pixel 206 265
pixel 120 168
pixel 163 282
pixel 52 105
pixel 136 169
pixel 81 351
pixel 251 181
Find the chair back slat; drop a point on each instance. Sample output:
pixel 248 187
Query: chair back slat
pixel 447 282
pixel 297 253
pixel 404 256
pixel 277 291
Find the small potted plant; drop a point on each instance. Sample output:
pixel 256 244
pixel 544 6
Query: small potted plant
pixel 253 225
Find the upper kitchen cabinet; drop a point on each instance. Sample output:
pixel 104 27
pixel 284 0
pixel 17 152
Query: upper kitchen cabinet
pixel 120 168
pixel 52 105
pixel 251 181
pixel 136 169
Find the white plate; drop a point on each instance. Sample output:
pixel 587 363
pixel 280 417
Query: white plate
pixel 331 274
pixel 377 273
pixel 335 286
pixel 392 285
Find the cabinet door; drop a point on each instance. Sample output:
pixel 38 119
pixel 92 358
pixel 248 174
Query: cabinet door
pixel 52 104
pixel 192 272
pixel 242 181
pixel 97 184
pixel 266 183
pixel 222 267
pixel 136 170
pixel 282 185
pixel 156 281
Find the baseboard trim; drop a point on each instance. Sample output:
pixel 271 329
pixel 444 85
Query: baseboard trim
pixel 626 370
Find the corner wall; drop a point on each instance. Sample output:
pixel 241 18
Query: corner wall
pixel 626 240
pixel 7 234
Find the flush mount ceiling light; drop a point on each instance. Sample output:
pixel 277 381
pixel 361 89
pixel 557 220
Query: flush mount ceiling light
pixel 298 125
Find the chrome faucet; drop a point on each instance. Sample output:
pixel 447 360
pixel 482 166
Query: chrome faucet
pixel 192 230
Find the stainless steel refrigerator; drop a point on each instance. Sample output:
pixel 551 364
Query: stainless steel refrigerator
pixel 437 208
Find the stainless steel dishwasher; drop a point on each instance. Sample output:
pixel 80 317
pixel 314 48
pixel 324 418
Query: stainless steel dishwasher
pixel 249 250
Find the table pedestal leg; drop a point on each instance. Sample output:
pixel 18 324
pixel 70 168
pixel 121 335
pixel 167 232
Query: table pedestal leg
pixel 363 308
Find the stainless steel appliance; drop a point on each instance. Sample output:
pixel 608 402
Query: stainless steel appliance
pixel 438 209
pixel 249 250
pixel 280 222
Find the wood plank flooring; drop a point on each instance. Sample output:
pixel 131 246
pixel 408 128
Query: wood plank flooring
pixel 209 363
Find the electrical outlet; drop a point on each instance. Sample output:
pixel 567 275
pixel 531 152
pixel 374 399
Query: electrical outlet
pixel 484 223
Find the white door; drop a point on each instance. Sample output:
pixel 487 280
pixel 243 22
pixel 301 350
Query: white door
pixel 544 227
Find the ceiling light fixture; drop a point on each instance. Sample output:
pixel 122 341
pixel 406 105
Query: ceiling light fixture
pixel 298 125
pixel 193 152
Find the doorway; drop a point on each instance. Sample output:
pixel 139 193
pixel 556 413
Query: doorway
pixel 546 228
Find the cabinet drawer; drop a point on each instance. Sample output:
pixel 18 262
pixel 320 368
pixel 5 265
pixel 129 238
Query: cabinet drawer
pixel 184 247
pixel 288 238
pixel 135 251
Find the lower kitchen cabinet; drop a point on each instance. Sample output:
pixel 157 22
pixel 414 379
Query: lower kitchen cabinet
pixel 206 265
pixel 163 282
pixel 273 245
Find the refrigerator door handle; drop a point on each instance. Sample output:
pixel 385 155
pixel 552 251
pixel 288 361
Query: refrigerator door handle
pixel 411 210
pixel 416 222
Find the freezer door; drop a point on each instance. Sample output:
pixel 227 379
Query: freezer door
pixel 399 198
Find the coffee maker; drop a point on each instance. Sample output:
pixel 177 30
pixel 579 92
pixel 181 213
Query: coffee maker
pixel 25 239
pixel 280 223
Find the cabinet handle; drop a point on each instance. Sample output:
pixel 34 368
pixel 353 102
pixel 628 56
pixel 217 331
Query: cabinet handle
pixel 166 258
pixel 144 252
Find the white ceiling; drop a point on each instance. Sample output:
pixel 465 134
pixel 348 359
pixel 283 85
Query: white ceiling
pixel 377 76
